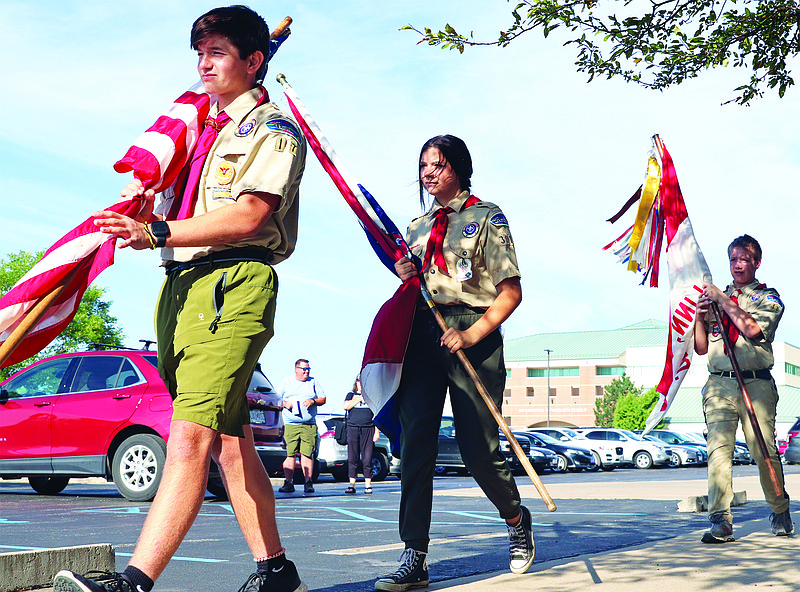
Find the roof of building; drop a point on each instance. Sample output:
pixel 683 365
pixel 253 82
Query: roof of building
pixel 687 407
pixel 587 344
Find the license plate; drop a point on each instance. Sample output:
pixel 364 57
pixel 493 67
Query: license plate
pixel 258 416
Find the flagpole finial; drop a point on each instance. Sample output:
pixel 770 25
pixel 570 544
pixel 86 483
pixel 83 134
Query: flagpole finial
pixel 281 79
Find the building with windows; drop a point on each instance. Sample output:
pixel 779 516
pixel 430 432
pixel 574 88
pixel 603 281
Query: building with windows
pixel 578 366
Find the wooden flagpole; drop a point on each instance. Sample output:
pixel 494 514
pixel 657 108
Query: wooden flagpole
pixel 462 357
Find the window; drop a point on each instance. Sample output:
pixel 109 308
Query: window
pixel 610 370
pixel 507 393
pixel 508 372
pixel 792 369
pixel 599 391
pixel 554 372
pixel 97 373
pixel 529 391
pixel 44 379
pixel 576 391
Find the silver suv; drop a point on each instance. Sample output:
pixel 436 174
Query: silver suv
pixel 640 453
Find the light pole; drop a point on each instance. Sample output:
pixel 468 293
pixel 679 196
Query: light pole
pixel 549 351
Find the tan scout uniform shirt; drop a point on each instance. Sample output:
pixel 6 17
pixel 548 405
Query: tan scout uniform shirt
pixel 477 247
pixel 765 306
pixel 260 150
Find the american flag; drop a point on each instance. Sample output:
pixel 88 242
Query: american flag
pixel 382 364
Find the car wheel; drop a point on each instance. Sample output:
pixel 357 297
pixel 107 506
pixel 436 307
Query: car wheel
pixel 138 465
pixel 380 466
pixel 562 464
pixel 597 463
pixel 642 460
pixel 340 476
pixel 48 485
pixel 675 460
pixel 608 467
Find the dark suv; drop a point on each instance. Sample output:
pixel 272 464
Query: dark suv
pixel 105 414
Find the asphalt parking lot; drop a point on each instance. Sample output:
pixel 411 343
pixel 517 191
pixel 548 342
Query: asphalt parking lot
pixel 343 543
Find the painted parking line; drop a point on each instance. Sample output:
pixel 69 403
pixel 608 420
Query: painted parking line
pixel 400 546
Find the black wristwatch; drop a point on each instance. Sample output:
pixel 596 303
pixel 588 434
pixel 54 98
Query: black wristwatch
pixel 161 232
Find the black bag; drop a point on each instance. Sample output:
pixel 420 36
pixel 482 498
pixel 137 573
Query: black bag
pixel 340 432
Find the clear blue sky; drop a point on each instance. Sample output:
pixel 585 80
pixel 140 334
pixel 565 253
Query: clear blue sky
pixel 83 79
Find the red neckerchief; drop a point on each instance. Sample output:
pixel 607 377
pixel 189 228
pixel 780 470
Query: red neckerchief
pixel 436 238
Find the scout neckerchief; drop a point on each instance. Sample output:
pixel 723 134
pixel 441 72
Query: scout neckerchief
pixel 436 238
pixel 189 179
pixel 727 324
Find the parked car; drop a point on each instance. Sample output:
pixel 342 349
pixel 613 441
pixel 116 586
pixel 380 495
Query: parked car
pixel 741 453
pixel 104 414
pixel 607 456
pixel 541 459
pixel 640 453
pixel 681 455
pixel 793 431
pixel 571 456
pixel 792 453
pixel 674 438
pixel 332 456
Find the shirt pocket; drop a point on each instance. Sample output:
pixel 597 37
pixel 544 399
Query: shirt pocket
pixel 463 254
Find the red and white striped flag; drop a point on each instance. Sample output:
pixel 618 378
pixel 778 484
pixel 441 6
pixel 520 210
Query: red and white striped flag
pixel 662 212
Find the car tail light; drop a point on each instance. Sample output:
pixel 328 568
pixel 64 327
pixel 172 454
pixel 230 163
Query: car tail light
pixel 328 434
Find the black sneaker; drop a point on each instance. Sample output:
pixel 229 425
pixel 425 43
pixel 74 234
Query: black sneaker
pixel 283 580
pixel 287 487
pixel 521 546
pixel 721 531
pixel 308 487
pixel 412 573
pixel 782 524
pixel 101 581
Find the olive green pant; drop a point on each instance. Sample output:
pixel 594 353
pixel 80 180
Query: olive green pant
pixel 429 371
pixel 724 407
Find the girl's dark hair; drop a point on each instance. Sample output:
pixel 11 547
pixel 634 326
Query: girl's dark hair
pixel 243 27
pixel 355 383
pixel 456 153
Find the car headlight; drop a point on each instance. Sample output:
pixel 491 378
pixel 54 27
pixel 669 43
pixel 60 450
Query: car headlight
pixel 505 446
pixel 536 453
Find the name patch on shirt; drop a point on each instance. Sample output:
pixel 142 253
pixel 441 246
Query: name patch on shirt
pixel 221 193
pixel 284 126
pixel 498 220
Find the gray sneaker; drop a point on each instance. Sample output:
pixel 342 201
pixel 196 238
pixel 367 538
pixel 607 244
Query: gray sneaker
pixel 721 531
pixel 782 524
pixel 521 547
pixel 412 573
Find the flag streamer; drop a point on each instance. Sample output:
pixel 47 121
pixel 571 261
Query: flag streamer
pixel 662 215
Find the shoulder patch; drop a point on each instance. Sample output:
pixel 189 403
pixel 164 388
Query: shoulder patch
pixel 774 299
pixel 498 220
pixel 284 126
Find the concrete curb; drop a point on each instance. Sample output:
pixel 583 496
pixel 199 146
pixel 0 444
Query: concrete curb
pixel 35 569
pixel 699 503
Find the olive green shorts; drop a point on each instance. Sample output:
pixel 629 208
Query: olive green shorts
pixel 212 323
pixel 300 437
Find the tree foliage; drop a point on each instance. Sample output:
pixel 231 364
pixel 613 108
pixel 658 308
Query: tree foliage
pixel 634 408
pixel 93 323
pixel 605 406
pixel 660 43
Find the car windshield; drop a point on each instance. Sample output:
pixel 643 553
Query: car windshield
pixel 695 437
pixel 546 438
pixel 573 434
pixel 631 435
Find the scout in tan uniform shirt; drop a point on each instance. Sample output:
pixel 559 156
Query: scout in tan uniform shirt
pixel 751 315
pixel 470 268
pixel 236 214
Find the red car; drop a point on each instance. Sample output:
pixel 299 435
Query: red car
pixel 106 414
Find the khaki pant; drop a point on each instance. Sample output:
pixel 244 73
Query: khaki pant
pixel 429 372
pixel 724 407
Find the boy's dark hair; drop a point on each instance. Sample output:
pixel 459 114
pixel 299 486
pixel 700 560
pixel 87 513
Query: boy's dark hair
pixel 456 153
pixel 243 27
pixel 746 242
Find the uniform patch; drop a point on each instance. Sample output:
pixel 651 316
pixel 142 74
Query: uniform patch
pixel 463 270
pixel 293 148
pixel 280 144
pixel 470 230
pixel 498 220
pixel 284 126
pixel 245 128
pixel 775 299
pixel 221 193
pixel 225 173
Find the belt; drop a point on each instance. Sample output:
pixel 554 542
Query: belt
pixel 763 374
pixel 260 254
